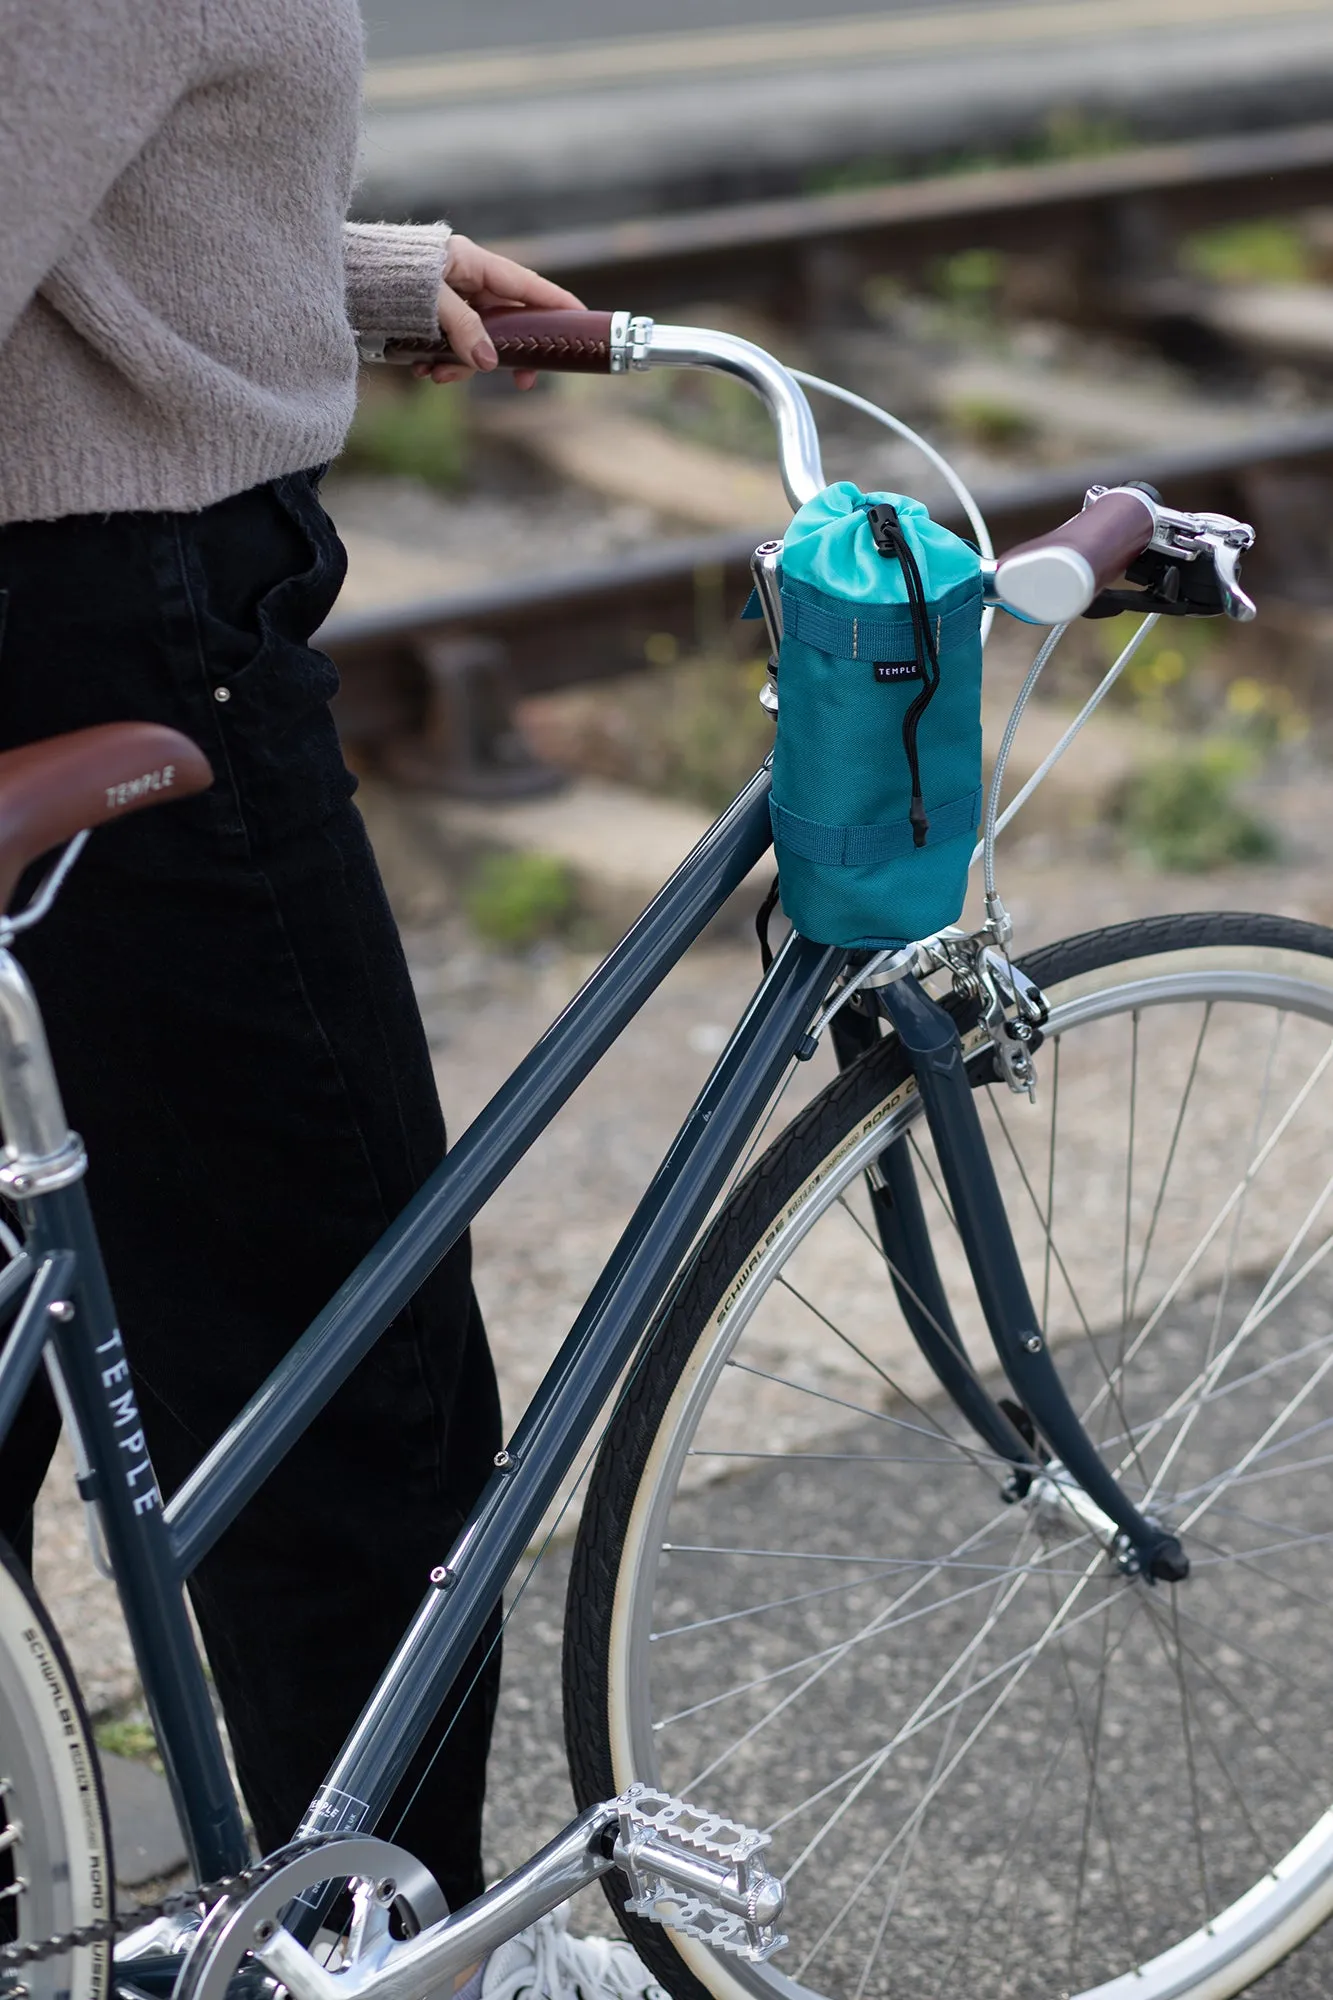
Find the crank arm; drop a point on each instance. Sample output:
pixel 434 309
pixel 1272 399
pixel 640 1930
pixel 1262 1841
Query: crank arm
pixel 931 1040
pixel 688 1869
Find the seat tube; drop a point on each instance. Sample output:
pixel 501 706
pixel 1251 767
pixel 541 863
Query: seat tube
pixel 41 1168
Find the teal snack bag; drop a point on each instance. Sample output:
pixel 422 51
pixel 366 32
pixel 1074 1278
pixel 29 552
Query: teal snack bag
pixel 877 767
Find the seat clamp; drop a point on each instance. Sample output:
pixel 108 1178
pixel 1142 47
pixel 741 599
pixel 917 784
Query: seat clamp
pixel 24 1176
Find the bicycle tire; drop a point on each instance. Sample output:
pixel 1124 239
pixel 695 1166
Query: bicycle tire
pixel 1219 965
pixel 56 1861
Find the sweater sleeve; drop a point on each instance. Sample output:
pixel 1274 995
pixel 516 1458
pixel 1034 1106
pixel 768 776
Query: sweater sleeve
pixel 393 273
pixel 82 92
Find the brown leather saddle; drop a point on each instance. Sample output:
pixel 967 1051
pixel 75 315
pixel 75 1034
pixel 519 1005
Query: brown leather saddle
pixel 50 791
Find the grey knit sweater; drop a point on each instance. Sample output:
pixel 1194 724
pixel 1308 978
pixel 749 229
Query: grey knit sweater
pixel 178 285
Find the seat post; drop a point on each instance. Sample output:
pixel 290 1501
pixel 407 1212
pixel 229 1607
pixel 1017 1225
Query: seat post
pixel 40 1152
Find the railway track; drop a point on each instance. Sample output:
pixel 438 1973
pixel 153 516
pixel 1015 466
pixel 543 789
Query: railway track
pixel 1112 218
pixel 429 687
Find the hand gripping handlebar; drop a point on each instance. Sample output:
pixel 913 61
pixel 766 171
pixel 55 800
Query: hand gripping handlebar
pixel 589 343
pixel 1055 577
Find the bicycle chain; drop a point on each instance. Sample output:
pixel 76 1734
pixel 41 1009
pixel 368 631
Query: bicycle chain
pixel 107 1929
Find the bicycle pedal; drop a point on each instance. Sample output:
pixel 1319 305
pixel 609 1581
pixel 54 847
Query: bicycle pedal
pixel 698 1874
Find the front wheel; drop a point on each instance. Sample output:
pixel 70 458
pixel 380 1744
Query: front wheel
pixel 55 1854
pixel 992 1762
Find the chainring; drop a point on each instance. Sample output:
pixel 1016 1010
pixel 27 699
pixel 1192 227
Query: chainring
pixel 388 1878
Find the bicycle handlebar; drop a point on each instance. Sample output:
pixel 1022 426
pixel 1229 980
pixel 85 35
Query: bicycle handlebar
pixel 1048 580
pixel 598 343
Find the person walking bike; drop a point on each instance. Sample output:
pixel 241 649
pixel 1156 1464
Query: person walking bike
pixel 224 988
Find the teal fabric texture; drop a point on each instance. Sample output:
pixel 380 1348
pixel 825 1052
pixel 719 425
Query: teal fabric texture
pixel 856 866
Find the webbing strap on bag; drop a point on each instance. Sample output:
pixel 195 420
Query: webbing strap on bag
pixel 865 846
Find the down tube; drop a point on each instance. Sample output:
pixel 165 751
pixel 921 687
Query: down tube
pixel 399 1713
pixel 383 1282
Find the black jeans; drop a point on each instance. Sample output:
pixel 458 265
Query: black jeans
pixel 238 1042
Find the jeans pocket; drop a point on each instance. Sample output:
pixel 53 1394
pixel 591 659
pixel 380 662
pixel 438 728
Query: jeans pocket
pixel 265 569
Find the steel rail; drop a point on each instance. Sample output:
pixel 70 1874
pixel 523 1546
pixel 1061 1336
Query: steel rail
pixel 665 258
pixel 587 623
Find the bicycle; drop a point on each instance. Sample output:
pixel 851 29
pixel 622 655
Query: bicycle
pixel 1028 1624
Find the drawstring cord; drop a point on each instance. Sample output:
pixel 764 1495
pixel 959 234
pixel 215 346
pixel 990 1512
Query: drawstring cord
pixel 893 545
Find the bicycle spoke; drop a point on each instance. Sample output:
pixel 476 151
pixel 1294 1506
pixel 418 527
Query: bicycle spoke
pixel 861 1355
pixel 842 1647
pixel 905 1862
pixel 1283 1673
pixel 1221 1216
pixel 1094 1805
pixel 1176 1661
pixel 1247 1458
pixel 1123 1335
pixel 900 1280
pixel 942 1463
pixel 1177 1128
pixel 863 1410
pixel 804 1597
pixel 1263 1308
pixel 1209 1672
pixel 926 1715
pixel 1209 1736
pixel 780 1708
pixel 1022 1667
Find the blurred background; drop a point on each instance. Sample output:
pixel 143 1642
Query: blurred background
pixel 1068 241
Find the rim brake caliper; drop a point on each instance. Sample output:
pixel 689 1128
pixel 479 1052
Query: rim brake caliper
pixel 1014 1034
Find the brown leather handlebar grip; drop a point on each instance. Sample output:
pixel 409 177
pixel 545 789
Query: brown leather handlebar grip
pixel 572 343
pixel 1057 576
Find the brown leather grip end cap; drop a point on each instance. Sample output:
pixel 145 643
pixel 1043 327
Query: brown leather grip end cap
pixel 1110 534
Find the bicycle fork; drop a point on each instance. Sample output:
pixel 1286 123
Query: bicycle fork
pixel 1084 1485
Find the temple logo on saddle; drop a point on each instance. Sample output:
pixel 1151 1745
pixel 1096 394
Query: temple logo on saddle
pixel 160 780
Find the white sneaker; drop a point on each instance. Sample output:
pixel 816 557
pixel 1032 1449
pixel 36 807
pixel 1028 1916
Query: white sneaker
pixel 546 1963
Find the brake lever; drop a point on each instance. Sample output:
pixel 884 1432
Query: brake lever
pixel 1237 603
pixel 1171 586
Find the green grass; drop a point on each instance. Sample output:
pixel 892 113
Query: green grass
pixel 1067 133
pixel 417 430
pixel 515 899
pixel 988 422
pixel 711 410
pixel 1274 252
pixel 1184 814
pixel 128 1736
pixel 970 280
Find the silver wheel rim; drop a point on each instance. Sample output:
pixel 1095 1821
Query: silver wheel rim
pixel 1249 1931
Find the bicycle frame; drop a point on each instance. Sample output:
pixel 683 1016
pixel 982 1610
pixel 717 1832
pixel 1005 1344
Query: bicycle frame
pixel 57 1295
pixel 153 1550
